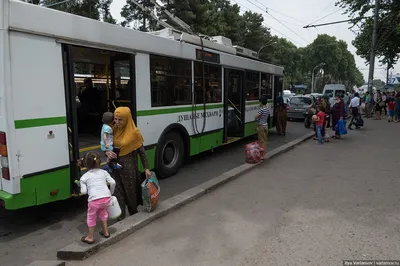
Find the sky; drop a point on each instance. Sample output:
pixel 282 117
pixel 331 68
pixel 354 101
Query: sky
pixel 286 18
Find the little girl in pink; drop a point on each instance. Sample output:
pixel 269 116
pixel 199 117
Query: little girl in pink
pixel 94 183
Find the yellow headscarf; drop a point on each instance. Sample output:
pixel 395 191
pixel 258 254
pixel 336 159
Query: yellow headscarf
pixel 128 138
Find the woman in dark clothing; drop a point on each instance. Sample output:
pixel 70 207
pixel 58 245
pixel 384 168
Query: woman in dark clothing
pixel 337 114
pixel 129 141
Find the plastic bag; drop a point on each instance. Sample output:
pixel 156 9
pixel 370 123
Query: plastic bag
pixel 150 192
pixel 113 209
pixel 254 152
pixel 358 121
pixel 341 127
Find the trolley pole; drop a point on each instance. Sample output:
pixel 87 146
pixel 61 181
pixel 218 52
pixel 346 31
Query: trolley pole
pixel 373 48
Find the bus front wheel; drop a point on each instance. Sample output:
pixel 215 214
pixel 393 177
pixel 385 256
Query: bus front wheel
pixel 170 155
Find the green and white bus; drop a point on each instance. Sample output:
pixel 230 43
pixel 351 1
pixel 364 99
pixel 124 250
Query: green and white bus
pixel 187 95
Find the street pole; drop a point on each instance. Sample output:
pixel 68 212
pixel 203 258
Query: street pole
pixel 373 47
pixel 312 81
pixel 387 74
pixel 312 76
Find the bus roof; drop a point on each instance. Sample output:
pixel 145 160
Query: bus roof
pixel 69 28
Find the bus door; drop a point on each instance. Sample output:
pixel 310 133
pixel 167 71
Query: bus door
pixel 122 87
pixel 234 105
pixel 72 114
pixel 278 88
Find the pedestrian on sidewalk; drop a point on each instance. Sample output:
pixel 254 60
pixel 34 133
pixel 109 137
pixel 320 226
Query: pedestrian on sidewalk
pixel 337 114
pixel 391 110
pixel 354 106
pixel 368 105
pixel 378 105
pixel 262 123
pixel 281 116
pixel 385 101
pixel 130 141
pixel 94 183
pixel 319 123
pixel 327 121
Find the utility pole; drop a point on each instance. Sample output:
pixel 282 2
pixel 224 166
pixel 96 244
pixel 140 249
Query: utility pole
pixel 373 48
pixel 387 74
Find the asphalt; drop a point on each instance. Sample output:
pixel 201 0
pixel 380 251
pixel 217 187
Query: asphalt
pixel 58 224
pixel 314 205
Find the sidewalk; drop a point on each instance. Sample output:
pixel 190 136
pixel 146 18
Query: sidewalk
pixel 315 205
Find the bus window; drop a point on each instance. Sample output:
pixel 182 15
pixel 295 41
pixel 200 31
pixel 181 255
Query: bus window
pixel 212 78
pixel 266 85
pixel 251 87
pixel 171 81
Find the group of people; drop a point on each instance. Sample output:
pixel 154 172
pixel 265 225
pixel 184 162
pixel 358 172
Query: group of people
pixel 122 142
pixel 327 116
pixel 389 103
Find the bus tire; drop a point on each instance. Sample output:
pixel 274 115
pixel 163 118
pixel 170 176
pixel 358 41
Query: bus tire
pixel 170 155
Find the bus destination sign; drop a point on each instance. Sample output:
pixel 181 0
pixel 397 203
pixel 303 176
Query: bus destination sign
pixel 208 56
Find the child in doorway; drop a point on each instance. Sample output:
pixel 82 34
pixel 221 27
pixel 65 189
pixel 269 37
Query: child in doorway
pixel 107 141
pixel 94 183
pixel 320 123
pixel 391 109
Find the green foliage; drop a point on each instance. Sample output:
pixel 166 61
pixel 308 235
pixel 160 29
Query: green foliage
pixel 94 9
pixel 388 30
pixel 221 17
pixel 132 12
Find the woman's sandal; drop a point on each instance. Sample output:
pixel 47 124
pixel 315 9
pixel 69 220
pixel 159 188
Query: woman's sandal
pixel 103 235
pixel 83 239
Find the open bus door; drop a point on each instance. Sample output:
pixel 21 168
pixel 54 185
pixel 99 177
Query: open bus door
pixel 118 91
pixel 234 105
pixel 72 122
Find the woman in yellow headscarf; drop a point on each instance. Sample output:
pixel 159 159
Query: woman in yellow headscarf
pixel 129 141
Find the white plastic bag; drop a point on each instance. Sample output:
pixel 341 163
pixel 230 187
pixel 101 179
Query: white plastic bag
pixel 113 209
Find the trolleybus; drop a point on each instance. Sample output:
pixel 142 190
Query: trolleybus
pixel 187 95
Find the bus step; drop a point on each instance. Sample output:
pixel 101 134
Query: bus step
pixel 231 139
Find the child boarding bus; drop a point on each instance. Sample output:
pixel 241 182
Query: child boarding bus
pixel 60 72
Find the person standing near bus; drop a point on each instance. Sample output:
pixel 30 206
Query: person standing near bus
pixel 281 116
pixel 130 142
pixel 262 123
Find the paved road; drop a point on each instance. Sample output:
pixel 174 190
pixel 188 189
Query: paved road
pixel 315 205
pixel 57 225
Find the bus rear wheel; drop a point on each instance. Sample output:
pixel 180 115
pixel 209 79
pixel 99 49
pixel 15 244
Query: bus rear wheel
pixel 170 155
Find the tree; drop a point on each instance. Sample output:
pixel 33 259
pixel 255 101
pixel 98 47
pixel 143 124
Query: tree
pixel 195 13
pixel 388 30
pixel 254 34
pixel 93 9
pixel 131 12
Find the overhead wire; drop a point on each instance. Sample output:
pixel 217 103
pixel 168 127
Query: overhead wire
pixel 330 14
pixel 279 21
pixel 278 12
pixel 265 24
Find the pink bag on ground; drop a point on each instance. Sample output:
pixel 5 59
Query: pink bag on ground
pixel 254 152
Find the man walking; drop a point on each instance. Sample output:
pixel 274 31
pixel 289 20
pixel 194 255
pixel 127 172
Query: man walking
pixel 354 107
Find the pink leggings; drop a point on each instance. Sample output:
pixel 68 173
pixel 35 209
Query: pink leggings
pixel 97 208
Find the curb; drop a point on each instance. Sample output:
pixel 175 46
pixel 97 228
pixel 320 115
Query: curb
pixel 46 263
pixel 131 224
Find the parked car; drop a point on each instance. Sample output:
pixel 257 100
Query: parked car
pixel 299 105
